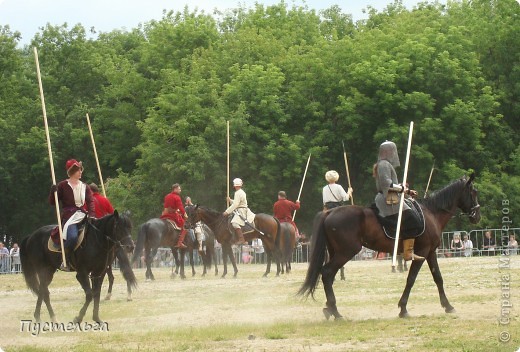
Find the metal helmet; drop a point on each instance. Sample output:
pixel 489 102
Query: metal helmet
pixel 237 182
pixel 388 151
pixel 331 176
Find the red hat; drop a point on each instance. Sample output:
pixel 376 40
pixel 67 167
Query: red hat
pixel 72 166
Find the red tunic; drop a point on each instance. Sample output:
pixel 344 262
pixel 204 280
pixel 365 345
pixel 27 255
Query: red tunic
pixel 174 210
pixel 283 209
pixel 102 205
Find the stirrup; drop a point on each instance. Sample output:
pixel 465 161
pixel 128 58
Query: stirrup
pixel 181 246
pixel 65 268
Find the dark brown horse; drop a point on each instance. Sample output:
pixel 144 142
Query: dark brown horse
pixel 287 244
pixel 266 227
pixel 151 235
pixel 344 230
pixel 207 255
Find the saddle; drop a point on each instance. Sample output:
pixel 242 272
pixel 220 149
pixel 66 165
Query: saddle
pixel 389 223
pixel 245 229
pixel 53 244
pixel 172 225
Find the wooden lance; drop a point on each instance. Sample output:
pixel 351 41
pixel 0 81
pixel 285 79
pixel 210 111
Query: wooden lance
pixel 401 203
pixel 429 179
pixel 51 161
pixel 95 154
pixel 303 181
pixel 227 164
pixel 348 174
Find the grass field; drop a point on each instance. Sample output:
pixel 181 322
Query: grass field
pixel 251 313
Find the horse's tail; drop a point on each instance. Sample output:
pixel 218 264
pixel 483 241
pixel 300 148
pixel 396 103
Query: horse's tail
pixel 126 268
pixel 29 271
pixel 319 251
pixel 139 245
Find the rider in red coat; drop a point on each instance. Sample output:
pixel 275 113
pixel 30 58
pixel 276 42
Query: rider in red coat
pixel 174 211
pixel 101 203
pixel 283 209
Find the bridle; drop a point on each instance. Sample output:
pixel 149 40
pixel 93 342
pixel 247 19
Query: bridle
pixel 472 213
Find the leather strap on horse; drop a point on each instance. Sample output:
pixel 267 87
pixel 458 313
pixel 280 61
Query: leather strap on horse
pixel 248 223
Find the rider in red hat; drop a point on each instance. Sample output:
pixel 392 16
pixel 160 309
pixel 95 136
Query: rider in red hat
pixel 76 201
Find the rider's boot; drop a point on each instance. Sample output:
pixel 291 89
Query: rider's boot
pixel 240 237
pixel 180 243
pixel 408 253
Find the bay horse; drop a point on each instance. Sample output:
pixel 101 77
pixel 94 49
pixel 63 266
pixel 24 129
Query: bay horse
pixel 90 260
pixel 266 227
pixel 344 230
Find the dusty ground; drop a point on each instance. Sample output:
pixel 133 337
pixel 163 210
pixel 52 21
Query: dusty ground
pixel 252 313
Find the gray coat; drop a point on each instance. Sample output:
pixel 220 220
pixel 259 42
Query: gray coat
pixel 385 177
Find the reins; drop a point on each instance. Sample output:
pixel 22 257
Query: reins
pixel 110 248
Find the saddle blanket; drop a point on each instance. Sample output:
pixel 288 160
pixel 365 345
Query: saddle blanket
pixel 389 223
pixel 53 244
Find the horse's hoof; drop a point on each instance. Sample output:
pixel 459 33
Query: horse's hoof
pixel 327 313
pixel 450 310
pixel 107 298
pixel 77 320
pixel 339 318
pixel 404 315
pixel 129 299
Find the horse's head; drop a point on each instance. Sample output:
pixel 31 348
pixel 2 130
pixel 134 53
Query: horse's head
pixel 122 230
pixel 468 201
pixel 193 215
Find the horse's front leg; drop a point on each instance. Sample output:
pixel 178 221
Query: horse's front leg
pixel 45 277
pixel 269 260
pixel 437 277
pixel 193 264
pixel 85 284
pixel 225 249
pixel 96 293
pixel 110 283
pixel 410 280
pixel 233 262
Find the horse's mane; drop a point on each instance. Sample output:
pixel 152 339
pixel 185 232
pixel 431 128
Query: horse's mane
pixel 443 199
pixel 123 220
pixel 212 212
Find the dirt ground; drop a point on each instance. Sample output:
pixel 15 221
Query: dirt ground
pixel 257 307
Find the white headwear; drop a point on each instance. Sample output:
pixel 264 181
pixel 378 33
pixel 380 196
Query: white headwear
pixel 237 182
pixel 331 176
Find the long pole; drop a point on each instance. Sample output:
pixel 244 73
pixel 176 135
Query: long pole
pixel 429 179
pixel 401 203
pixel 51 161
pixel 227 163
pixel 303 181
pixel 95 154
pixel 348 173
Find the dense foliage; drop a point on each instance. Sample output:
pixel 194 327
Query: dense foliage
pixel 290 80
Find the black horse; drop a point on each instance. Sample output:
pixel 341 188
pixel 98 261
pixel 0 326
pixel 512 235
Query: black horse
pixel 344 230
pixel 102 238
